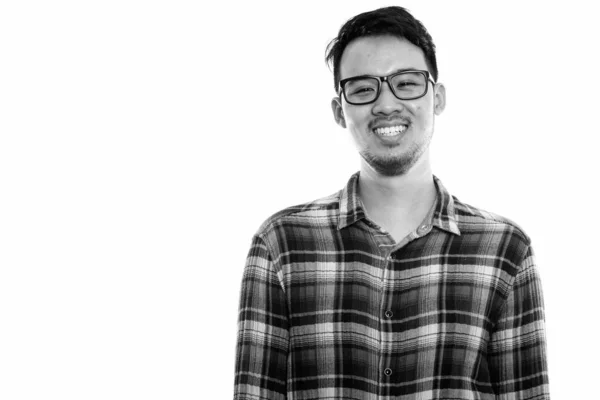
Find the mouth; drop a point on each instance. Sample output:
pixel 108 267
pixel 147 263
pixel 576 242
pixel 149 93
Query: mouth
pixel 390 131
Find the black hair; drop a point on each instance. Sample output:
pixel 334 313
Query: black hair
pixel 395 21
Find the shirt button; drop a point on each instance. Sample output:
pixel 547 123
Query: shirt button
pixel 387 372
pixel 389 314
pixel 424 228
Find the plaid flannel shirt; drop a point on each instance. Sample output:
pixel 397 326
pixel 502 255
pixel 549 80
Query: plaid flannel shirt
pixel 332 308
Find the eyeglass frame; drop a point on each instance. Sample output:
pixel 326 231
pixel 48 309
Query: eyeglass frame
pixel 382 79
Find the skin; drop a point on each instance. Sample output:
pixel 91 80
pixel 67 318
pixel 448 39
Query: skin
pixel 396 182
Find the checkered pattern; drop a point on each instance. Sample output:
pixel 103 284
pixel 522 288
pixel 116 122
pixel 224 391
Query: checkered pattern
pixel 331 308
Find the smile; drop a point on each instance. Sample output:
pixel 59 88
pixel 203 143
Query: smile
pixel 390 130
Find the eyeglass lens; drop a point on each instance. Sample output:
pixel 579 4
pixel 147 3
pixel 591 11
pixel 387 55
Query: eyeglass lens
pixel 407 85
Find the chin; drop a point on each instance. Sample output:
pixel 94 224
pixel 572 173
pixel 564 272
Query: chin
pixel 389 166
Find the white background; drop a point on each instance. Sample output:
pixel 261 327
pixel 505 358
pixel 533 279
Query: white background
pixel 143 143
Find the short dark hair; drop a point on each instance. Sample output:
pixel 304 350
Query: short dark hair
pixel 395 21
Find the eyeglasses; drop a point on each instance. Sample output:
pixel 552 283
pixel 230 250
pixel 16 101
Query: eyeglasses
pixel 405 85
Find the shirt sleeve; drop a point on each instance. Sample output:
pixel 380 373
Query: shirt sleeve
pixel 517 349
pixel 263 330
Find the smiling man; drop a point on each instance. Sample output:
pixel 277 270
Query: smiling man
pixel 390 288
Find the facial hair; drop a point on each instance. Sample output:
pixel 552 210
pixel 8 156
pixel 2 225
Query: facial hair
pixel 396 164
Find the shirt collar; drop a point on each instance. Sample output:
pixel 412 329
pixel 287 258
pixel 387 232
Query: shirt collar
pixel 444 216
pixel 352 209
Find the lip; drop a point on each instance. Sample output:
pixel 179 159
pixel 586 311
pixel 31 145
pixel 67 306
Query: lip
pixel 390 140
pixel 388 124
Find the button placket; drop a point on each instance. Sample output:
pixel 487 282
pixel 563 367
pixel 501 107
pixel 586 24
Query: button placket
pixel 386 313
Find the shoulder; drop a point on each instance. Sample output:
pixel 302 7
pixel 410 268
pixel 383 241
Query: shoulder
pixel 316 212
pixel 474 219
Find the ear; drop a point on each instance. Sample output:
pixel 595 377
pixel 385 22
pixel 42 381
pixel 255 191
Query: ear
pixel 338 113
pixel 439 98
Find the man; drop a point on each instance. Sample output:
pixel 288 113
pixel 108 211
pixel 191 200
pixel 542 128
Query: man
pixel 390 288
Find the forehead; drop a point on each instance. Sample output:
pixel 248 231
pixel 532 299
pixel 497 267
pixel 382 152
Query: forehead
pixel 380 55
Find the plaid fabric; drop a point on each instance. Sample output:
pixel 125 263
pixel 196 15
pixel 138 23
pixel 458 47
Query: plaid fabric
pixel 331 308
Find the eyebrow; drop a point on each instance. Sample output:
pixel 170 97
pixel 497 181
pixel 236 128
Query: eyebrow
pixel 391 73
pixel 407 69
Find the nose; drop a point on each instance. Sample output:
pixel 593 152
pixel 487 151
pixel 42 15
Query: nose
pixel 387 103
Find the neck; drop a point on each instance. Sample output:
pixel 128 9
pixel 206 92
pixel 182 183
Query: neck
pixel 411 193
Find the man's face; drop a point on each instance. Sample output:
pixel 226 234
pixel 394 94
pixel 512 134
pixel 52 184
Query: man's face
pixel 388 153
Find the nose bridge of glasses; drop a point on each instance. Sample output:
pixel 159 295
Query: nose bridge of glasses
pixel 385 84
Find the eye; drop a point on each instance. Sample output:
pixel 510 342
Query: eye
pixel 361 87
pixel 404 84
pixel 363 90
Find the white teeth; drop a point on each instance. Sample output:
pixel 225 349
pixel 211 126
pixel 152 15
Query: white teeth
pixel 390 131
